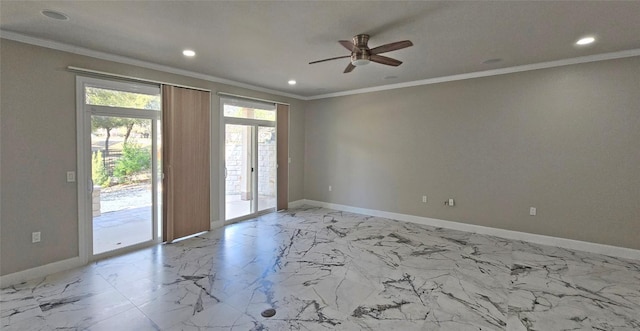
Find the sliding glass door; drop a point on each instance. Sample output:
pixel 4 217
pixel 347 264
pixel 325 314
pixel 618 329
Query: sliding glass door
pixel 250 170
pixel 267 168
pixel 119 159
pixel 122 199
pixel 239 159
pixel 250 166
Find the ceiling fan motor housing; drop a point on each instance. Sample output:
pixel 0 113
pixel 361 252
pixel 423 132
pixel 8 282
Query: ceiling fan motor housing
pixel 360 41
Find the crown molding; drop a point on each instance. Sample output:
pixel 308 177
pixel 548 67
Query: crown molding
pixel 149 65
pixel 139 63
pixel 487 73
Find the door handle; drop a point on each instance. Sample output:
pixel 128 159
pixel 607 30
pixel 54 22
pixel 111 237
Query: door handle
pixel 225 172
pixel 90 186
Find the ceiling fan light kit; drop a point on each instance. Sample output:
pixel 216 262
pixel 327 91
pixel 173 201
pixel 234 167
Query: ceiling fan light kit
pixel 361 54
pixel 359 59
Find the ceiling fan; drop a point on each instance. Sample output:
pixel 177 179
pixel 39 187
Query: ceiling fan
pixel 361 54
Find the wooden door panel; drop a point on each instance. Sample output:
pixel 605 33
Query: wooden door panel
pixel 186 161
pixel 282 118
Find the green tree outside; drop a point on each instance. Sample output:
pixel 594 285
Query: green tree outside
pixel 111 98
pixel 135 158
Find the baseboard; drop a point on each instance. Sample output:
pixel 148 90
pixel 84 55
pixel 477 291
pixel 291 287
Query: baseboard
pixel 609 250
pixel 215 224
pixel 297 203
pixel 622 252
pixel 42 271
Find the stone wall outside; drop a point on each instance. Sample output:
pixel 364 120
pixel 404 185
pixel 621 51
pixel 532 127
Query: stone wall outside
pixel 235 164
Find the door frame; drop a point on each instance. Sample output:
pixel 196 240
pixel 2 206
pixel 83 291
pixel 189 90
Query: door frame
pixel 223 181
pixel 83 178
pixel 254 125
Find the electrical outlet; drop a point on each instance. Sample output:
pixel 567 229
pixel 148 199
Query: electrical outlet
pixel 35 237
pixel 71 176
pixel 533 211
pixel 424 198
pixel 329 188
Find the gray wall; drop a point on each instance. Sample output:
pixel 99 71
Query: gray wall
pixel 565 140
pixel 38 144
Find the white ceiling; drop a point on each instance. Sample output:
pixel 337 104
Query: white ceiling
pixel 266 43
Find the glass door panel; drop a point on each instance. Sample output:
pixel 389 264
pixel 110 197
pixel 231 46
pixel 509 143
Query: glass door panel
pixel 239 186
pixel 266 168
pixel 122 176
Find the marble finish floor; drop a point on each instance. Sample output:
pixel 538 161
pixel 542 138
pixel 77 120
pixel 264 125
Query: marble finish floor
pixel 329 270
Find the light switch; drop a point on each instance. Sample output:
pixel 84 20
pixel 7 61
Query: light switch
pixel 71 176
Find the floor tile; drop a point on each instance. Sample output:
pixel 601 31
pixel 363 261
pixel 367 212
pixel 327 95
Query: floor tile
pixel 132 319
pixel 323 269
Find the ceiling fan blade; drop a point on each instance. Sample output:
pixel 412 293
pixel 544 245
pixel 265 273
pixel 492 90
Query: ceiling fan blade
pixel 348 45
pixel 391 47
pixel 333 58
pixel 349 68
pixel 385 60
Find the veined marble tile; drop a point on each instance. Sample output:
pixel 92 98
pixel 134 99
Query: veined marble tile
pixel 177 302
pixel 34 323
pixel 218 317
pixel 132 319
pixel 555 288
pixel 82 310
pixel 16 305
pixel 79 281
pixel 323 269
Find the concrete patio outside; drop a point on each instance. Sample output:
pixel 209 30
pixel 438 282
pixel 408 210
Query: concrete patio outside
pixel 133 225
pixel 121 228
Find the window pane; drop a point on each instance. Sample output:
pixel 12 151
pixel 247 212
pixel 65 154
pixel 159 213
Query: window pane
pixel 113 98
pixel 252 113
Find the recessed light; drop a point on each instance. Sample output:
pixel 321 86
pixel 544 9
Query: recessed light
pixel 189 53
pixel 55 15
pixel 292 82
pixel 491 61
pixel 585 41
